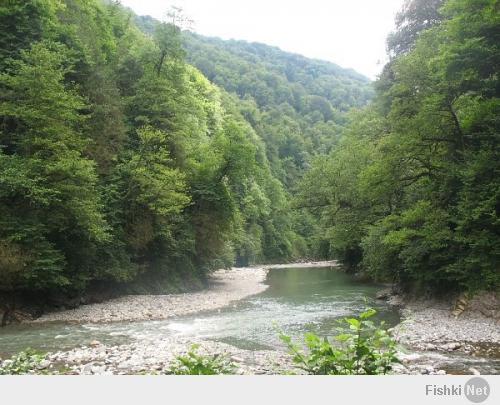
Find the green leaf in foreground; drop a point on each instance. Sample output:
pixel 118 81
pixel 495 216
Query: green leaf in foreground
pixel 361 348
pixel 195 363
pixel 26 362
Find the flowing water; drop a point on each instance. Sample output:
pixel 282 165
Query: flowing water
pixel 297 300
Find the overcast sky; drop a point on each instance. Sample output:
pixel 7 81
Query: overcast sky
pixel 350 33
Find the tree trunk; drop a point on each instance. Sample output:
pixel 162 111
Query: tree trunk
pixel 9 308
pixel 6 315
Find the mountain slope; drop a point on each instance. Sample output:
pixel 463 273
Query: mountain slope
pixel 120 163
pixel 238 66
pixel 296 105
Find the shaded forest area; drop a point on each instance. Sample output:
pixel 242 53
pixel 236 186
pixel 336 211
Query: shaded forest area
pixel 121 163
pixel 138 155
pixel 412 192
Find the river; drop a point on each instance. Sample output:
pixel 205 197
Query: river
pixel 297 300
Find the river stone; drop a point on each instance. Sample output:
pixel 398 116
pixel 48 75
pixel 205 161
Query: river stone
pixel 43 365
pixel 123 366
pixel 431 327
pixel 474 371
pixel 87 369
pixel 384 294
pixel 98 369
pixel 452 346
pixel 399 369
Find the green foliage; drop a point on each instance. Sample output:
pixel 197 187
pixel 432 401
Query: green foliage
pixel 22 24
pixel 412 188
pixel 297 106
pixel 48 189
pixel 361 347
pixel 273 77
pixel 152 184
pixel 25 362
pixel 120 162
pixel 194 363
pixel 414 242
pixel 415 17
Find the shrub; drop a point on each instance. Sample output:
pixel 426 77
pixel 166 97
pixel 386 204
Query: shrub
pixel 194 363
pixel 361 348
pixel 25 362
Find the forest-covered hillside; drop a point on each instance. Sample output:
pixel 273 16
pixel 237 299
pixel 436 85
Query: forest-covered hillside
pixel 273 76
pixel 412 192
pixel 296 105
pixel 120 162
pixel 138 154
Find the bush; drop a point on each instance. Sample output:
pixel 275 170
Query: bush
pixel 362 348
pixel 416 248
pixel 25 362
pixel 194 363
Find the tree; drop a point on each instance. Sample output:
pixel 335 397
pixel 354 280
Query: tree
pixel 48 195
pixel 420 196
pixel 23 23
pixel 416 16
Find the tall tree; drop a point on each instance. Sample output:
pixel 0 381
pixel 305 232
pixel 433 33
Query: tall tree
pixel 48 196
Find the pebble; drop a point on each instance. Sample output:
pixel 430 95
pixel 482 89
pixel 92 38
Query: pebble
pixel 225 286
pixel 430 328
pixel 43 365
pixel 474 371
pixel 426 329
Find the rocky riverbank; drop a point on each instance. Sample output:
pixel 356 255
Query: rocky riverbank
pixel 435 328
pixel 437 335
pixel 225 286
pixel 157 357
pixel 433 340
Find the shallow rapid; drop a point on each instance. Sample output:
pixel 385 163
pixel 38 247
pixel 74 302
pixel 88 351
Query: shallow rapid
pixel 297 300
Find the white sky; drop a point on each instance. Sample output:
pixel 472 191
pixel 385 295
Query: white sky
pixel 351 33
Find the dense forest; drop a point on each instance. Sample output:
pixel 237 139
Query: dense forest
pixel 297 106
pixel 412 192
pixel 138 154
pixel 121 162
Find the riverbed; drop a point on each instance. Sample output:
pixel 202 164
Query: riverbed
pixel 240 315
